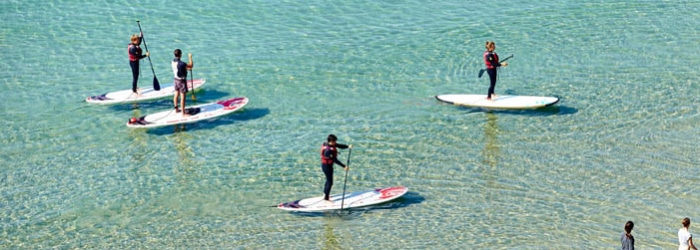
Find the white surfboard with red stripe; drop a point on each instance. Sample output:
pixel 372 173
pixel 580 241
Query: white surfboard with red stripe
pixel 197 113
pixel 145 94
pixel 352 200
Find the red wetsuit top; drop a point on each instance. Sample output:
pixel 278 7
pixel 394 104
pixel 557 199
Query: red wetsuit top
pixel 135 52
pixel 329 154
pixel 491 60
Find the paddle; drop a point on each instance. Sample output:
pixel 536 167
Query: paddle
pixel 156 84
pixel 342 201
pixel 192 77
pixel 481 72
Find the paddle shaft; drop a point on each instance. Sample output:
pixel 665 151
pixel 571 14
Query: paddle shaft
pixel 481 72
pixel 192 79
pixel 342 201
pixel 156 84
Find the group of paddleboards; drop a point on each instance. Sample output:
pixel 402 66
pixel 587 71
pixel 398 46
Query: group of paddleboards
pixel 180 114
pixel 212 110
pixel 170 116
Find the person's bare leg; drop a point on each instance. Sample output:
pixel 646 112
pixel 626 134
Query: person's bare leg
pixel 175 101
pixel 182 105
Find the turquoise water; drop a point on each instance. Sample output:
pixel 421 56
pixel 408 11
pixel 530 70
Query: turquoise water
pixel 621 145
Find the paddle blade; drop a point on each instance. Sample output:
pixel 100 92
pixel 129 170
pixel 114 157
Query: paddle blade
pixel 481 72
pixel 156 84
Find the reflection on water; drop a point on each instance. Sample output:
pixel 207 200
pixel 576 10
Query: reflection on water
pixel 491 151
pixel 139 143
pixel 329 240
pixel 184 151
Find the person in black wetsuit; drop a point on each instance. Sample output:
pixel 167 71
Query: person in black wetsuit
pixel 135 54
pixel 492 64
pixel 329 156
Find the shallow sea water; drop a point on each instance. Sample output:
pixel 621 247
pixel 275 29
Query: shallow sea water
pixel 620 145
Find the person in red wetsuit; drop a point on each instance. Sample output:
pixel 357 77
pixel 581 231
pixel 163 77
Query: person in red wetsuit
pixel 135 54
pixel 492 64
pixel 329 156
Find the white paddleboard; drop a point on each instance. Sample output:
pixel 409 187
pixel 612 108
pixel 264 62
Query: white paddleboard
pixel 147 94
pixel 356 199
pixel 198 113
pixel 500 102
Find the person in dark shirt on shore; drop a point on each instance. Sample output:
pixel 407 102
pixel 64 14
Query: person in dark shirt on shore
pixel 626 238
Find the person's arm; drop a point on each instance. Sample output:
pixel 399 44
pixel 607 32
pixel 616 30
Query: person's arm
pixel 342 146
pixel 140 41
pixel 690 243
pixel 190 64
pixel 338 162
pixel 134 51
pixel 499 64
pixel 492 60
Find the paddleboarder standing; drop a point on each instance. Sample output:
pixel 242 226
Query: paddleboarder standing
pixel 135 54
pixel 329 156
pixel 492 64
pixel 180 77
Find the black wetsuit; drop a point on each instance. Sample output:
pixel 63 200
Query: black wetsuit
pixel 331 157
pixel 492 64
pixel 134 57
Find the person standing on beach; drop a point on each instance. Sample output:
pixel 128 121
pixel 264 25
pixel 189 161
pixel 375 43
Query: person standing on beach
pixel 180 78
pixel 492 64
pixel 329 156
pixel 135 54
pixel 685 238
pixel 626 238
